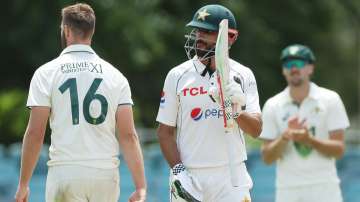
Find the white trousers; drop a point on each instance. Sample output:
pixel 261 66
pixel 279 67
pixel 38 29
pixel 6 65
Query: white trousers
pixel 329 192
pixel 71 183
pixel 217 186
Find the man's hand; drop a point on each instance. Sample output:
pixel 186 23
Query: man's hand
pixel 238 98
pixel 301 136
pixel 138 196
pixel 22 194
pixel 286 135
pixel 298 131
pixel 234 92
pixel 184 185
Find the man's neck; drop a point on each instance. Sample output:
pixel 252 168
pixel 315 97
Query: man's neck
pixel 299 93
pixel 212 63
pixel 79 43
pixel 73 41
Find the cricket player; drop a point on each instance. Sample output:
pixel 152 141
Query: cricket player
pixel 304 133
pixel 191 128
pixel 86 100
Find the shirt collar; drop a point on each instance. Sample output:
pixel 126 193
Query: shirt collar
pixel 78 48
pixel 313 93
pixel 200 67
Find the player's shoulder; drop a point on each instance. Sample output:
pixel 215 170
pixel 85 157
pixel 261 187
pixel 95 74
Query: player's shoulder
pixel 110 69
pixel 110 66
pixel 277 99
pixel 48 67
pixel 324 93
pixel 239 68
pixel 181 69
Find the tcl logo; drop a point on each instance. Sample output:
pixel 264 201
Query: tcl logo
pixel 194 91
pixel 197 113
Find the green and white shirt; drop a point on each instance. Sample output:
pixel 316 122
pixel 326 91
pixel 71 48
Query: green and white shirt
pixel 323 111
pixel 83 92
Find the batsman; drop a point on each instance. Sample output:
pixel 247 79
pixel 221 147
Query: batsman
pixel 191 123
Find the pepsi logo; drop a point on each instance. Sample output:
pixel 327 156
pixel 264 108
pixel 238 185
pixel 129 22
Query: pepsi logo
pixel 196 114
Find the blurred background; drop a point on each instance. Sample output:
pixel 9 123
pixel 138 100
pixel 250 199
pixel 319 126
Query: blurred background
pixel 144 39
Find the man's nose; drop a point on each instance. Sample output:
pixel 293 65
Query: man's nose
pixel 294 69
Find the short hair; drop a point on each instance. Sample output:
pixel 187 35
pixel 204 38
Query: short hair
pixel 80 18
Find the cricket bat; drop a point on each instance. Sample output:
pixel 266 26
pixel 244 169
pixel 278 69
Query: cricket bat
pixel 223 72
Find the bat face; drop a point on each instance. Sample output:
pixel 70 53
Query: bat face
pixel 223 71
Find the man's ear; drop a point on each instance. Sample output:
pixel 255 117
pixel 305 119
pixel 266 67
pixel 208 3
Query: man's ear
pixel 67 31
pixel 311 68
pixel 232 37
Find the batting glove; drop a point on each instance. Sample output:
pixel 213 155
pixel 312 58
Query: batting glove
pixel 234 92
pixel 237 96
pixel 184 185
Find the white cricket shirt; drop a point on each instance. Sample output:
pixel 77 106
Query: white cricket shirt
pixel 323 111
pixel 186 105
pixel 83 92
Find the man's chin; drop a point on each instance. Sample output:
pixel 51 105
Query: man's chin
pixel 201 53
pixel 296 83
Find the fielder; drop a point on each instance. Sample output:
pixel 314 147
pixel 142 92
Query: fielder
pixel 191 130
pixel 86 100
pixel 304 133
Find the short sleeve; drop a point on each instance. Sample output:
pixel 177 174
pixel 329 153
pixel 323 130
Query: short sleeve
pixel 125 90
pixel 40 90
pixel 168 109
pixel 336 117
pixel 252 96
pixel 270 130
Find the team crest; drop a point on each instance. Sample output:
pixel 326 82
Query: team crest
pixel 293 50
pixel 202 15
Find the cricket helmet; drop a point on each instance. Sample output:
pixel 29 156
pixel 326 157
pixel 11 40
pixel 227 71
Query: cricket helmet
pixel 298 51
pixel 207 18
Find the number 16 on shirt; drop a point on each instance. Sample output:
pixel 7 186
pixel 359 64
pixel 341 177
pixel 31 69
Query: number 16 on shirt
pixel 223 71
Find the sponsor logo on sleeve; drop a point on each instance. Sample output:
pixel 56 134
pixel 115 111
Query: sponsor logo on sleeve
pixel 162 99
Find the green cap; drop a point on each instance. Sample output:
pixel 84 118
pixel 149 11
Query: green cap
pixel 210 16
pixel 298 51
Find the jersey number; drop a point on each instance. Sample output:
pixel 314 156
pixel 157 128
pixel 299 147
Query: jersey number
pixel 89 97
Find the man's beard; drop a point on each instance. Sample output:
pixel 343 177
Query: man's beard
pixel 205 51
pixel 63 40
pixel 296 83
pixel 295 79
